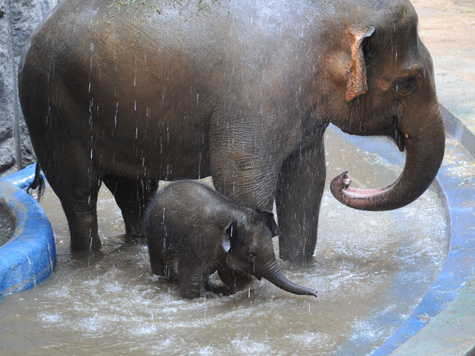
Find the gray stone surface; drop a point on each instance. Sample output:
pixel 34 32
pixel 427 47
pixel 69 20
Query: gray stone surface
pixel 18 19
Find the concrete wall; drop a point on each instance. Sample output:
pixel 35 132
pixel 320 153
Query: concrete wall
pixel 18 18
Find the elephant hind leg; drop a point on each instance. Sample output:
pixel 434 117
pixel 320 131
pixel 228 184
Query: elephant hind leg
pixel 83 227
pixel 132 197
pixel 160 266
pixel 79 201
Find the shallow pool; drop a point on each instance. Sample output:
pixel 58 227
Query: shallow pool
pixel 370 268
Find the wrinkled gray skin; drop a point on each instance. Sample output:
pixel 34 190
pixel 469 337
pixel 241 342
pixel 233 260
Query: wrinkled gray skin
pixel 193 231
pixel 126 93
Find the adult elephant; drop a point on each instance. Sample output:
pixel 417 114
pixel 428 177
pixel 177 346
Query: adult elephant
pixel 129 92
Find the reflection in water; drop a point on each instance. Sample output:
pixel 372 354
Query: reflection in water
pixel 368 265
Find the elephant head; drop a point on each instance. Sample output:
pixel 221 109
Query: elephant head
pixel 249 249
pixel 386 87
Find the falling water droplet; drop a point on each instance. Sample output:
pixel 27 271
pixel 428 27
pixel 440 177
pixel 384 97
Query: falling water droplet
pixel 199 166
pixel 116 113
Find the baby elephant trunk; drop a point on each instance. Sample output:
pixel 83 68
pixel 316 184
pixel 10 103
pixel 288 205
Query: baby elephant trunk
pixel 273 274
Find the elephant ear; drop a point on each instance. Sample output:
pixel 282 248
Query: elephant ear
pixel 230 233
pixel 269 221
pixel 357 83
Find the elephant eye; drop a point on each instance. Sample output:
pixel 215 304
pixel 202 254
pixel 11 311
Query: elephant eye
pixel 406 86
pixel 252 256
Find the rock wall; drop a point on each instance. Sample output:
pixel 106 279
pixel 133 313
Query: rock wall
pixel 18 18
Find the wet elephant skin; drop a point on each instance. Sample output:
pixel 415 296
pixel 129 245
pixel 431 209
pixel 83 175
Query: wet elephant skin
pixel 193 231
pixel 130 92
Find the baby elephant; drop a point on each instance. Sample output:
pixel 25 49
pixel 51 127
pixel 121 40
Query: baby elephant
pixel 192 231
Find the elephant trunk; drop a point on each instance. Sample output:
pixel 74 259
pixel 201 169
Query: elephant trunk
pixel 273 274
pixel 424 153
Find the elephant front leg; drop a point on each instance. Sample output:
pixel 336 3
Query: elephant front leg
pixel 298 198
pixel 132 198
pixel 233 279
pixel 192 281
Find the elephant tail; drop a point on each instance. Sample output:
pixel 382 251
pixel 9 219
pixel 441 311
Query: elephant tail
pixel 38 182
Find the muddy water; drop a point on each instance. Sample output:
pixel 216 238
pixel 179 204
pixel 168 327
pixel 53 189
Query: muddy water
pixel 369 268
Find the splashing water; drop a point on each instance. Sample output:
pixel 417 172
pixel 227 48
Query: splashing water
pixel 365 262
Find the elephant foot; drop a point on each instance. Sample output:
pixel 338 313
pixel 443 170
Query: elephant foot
pixel 93 244
pixel 137 239
pixel 294 256
pixel 82 259
pixel 219 289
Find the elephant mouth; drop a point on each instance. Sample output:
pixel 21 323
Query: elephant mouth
pixel 397 135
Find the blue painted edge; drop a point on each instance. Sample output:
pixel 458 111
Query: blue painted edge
pixel 30 255
pixel 459 266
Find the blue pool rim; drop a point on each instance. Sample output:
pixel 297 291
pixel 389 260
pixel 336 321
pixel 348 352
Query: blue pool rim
pixel 30 255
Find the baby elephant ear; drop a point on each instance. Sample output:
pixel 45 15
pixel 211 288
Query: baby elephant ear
pixel 357 81
pixel 269 220
pixel 229 234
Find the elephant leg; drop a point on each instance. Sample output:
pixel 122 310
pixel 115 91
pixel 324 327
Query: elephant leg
pixel 243 177
pixel 159 268
pixel 132 198
pixel 298 198
pixel 192 282
pixel 233 279
pixel 82 223
pixel 79 202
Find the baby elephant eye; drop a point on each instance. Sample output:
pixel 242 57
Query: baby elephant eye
pixel 252 256
pixel 406 86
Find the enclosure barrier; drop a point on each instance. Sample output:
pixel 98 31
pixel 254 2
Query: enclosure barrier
pixel 30 255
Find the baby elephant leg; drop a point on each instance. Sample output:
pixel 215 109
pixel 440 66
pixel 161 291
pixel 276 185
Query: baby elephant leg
pixel 163 269
pixel 234 279
pixel 191 281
